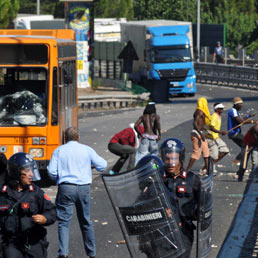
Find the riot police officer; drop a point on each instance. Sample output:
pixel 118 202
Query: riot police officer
pixel 183 187
pixel 24 210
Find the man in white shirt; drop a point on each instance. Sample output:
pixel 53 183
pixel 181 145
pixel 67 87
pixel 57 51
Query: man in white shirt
pixel 70 168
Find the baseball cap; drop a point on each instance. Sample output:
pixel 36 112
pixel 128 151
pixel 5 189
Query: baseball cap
pixel 219 105
pixel 237 100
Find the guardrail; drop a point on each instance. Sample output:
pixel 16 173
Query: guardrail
pixel 110 101
pixel 229 75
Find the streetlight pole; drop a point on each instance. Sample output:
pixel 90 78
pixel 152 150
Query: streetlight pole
pixel 38 7
pixel 198 31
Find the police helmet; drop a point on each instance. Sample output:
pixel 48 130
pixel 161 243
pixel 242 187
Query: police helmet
pixel 146 159
pixel 20 161
pixel 173 145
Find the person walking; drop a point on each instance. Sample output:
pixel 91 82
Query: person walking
pixel 201 119
pixel 217 147
pixel 25 210
pixel 218 53
pixel 152 132
pixel 235 120
pixel 70 168
pixel 125 145
pixel 250 148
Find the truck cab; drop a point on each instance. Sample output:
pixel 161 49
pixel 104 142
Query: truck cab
pixel 169 58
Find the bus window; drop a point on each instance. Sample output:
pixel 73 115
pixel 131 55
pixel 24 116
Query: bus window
pixel 23 96
pixel 54 114
pixel 69 82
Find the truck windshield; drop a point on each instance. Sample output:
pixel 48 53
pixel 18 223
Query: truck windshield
pixel 171 54
pixel 23 96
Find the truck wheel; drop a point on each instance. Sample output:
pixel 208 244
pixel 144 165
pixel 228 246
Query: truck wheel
pixel 159 92
pixel 191 94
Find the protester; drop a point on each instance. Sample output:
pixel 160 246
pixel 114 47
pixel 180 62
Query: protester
pixel 218 53
pixel 250 146
pixel 235 120
pixel 125 145
pixel 152 132
pixel 202 119
pixel 25 209
pixel 70 168
pixel 184 188
pixel 218 148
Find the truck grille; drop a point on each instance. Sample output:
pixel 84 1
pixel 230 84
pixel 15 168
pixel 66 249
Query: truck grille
pixel 173 74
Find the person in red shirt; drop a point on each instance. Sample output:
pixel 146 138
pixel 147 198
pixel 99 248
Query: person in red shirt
pixel 250 144
pixel 125 144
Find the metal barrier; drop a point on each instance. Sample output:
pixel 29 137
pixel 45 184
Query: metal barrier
pixel 229 75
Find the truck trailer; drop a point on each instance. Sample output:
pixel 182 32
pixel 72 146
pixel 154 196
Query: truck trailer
pixel 165 51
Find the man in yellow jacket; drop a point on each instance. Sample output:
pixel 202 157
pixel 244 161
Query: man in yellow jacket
pixel 218 148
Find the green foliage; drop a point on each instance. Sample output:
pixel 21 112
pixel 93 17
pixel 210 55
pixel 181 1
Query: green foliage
pixel 150 10
pixel 54 7
pixel 8 11
pixel 238 15
pixel 114 9
pixel 240 25
pixel 252 47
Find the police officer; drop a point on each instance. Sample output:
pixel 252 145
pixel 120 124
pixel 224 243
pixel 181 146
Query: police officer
pixel 24 210
pixel 183 187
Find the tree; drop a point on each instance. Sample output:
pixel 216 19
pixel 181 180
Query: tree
pixel 54 7
pixel 8 11
pixel 239 25
pixel 114 9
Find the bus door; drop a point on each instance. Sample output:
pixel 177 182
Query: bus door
pixel 67 93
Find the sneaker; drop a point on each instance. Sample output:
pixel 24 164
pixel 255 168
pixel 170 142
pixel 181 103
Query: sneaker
pixel 235 176
pixel 111 172
pixel 215 169
pixel 236 162
pixel 203 172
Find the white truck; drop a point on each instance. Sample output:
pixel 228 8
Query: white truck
pixel 23 21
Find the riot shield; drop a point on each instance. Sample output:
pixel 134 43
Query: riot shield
pixel 145 215
pixel 204 222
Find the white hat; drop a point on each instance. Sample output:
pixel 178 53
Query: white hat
pixel 220 105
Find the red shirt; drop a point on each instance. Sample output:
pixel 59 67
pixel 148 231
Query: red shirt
pixel 249 139
pixel 126 136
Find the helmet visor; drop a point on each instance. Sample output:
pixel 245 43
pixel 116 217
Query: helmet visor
pixel 173 151
pixel 31 168
pixel 171 159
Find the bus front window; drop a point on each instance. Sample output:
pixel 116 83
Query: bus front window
pixel 23 98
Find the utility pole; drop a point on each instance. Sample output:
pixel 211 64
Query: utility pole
pixel 198 31
pixel 38 7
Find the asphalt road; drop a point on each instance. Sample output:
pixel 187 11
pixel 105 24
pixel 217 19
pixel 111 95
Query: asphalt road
pixel 176 121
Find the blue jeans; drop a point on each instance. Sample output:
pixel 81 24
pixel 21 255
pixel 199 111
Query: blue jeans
pixel 147 146
pixel 67 196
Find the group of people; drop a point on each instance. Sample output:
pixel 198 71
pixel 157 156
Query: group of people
pixel 25 209
pixel 135 142
pixel 207 141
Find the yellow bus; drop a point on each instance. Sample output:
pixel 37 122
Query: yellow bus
pixel 38 91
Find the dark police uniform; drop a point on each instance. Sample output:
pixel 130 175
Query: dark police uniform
pixel 184 191
pixel 21 236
